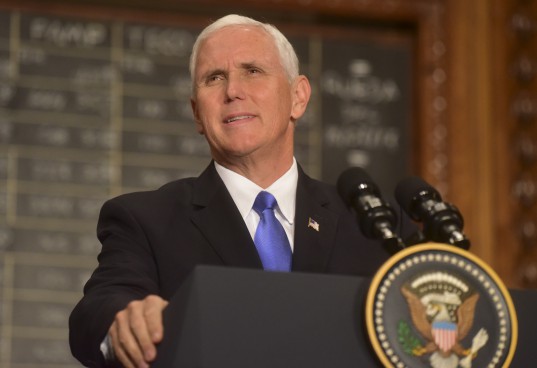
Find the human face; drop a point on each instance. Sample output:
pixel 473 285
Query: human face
pixel 243 102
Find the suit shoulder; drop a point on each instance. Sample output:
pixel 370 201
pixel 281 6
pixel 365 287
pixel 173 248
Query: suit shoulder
pixel 326 193
pixel 172 193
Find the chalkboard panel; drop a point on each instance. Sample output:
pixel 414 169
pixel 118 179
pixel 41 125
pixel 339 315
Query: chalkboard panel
pixel 59 33
pixel 90 109
pixel 366 103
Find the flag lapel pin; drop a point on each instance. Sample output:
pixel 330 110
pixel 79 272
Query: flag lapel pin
pixel 313 224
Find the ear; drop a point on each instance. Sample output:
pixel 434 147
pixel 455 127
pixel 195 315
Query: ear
pixel 197 119
pixel 301 92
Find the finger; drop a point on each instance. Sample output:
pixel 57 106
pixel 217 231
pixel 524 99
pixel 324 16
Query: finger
pixel 119 352
pixel 139 329
pixel 153 317
pixel 126 338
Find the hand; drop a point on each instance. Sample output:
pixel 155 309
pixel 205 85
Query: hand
pixel 136 330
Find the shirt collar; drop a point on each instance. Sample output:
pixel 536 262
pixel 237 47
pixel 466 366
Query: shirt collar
pixel 244 191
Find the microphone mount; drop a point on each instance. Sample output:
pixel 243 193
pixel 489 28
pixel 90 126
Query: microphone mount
pixel 377 218
pixel 442 222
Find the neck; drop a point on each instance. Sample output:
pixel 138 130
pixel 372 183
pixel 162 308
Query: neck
pixel 263 173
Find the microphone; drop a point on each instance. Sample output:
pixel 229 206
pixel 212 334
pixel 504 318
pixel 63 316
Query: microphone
pixel 377 218
pixel 442 222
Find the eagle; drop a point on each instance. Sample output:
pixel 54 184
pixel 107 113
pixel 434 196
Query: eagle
pixel 434 317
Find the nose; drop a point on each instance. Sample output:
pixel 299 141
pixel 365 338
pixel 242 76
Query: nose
pixel 234 88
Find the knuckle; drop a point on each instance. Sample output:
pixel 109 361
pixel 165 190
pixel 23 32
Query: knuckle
pixel 134 304
pixel 152 299
pixel 119 317
pixel 136 324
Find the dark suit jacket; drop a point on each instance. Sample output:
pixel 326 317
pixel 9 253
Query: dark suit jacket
pixel 152 240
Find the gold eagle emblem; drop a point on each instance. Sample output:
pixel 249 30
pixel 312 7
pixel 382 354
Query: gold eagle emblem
pixel 442 309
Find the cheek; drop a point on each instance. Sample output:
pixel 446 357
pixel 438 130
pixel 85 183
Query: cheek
pixel 206 114
pixel 282 105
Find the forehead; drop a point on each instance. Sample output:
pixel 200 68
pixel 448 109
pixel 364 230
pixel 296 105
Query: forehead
pixel 237 42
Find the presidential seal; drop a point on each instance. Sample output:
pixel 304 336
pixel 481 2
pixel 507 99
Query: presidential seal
pixel 439 306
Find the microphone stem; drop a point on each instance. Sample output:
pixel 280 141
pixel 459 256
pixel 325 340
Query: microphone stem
pixel 391 241
pixel 457 238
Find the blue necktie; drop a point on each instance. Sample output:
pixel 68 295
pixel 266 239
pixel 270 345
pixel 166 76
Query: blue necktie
pixel 270 238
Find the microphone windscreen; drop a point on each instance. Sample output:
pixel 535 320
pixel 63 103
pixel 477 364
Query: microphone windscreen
pixel 349 181
pixel 408 189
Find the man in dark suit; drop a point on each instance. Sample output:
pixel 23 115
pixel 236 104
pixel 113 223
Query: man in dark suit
pixel 247 96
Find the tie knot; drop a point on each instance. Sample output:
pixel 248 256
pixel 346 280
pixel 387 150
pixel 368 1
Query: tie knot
pixel 263 201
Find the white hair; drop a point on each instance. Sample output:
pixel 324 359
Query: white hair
pixel 288 57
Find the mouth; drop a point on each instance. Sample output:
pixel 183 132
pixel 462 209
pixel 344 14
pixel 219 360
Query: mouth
pixel 237 118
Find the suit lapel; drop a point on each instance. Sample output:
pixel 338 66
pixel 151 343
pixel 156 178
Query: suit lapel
pixel 221 223
pixel 315 227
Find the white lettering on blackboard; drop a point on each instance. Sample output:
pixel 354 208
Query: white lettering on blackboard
pixel 182 85
pixel 138 64
pixel 193 145
pixel 152 178
pixel 153 143
pixel 365 89
pixel 51 171
pixel 357 113
pixel 46 100
pixel 153 109
pixel 363 136
pixel 51 316
pixel 93 74
pixel 51 206
pixel 32 55
pixel 97 173
pixel 93 102
pixel 160 41
pixel 63 33
pixel 53 242
pixel 89 207
pixel 360 158
pixel 360 84
pixel 55 136
pixel 54 279
pixel 87 244
pixel 92 138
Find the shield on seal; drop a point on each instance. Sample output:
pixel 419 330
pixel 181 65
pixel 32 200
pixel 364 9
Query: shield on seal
pixel 445 334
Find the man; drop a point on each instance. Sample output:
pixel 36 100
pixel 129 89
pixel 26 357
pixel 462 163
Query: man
pixel 247 96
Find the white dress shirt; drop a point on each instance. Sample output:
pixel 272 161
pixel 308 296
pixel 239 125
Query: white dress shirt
pixel 243 191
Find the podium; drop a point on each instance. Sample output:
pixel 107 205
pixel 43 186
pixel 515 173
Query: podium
pixel 227 317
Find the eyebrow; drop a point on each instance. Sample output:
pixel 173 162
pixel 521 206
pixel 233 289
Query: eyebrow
pixel 250 64
pixel 244 65
pixel 213 72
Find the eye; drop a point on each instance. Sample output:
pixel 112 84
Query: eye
pixel 253 71
pixel 214 78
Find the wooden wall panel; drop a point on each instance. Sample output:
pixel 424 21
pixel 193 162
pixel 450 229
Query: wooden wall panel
pixel 516 100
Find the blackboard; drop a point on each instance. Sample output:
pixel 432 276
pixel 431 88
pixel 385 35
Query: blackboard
pixel 90 109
